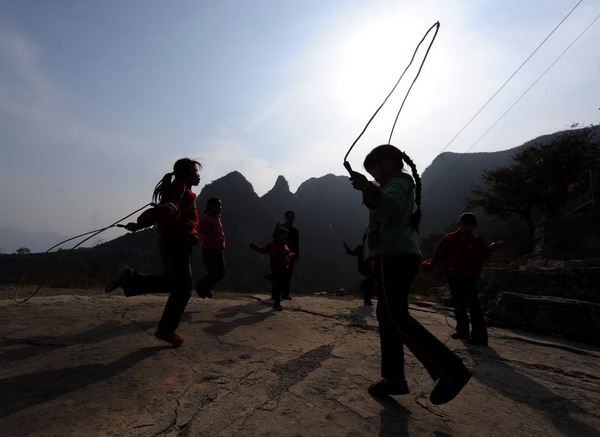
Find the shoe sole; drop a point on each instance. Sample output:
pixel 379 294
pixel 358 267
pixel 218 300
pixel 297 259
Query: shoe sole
pixel 174 343
pixel 457 389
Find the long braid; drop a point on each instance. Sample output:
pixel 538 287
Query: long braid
pixel 415 219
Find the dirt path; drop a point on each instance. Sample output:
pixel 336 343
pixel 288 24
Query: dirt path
pixel 88 365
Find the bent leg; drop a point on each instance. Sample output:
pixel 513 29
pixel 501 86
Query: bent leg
pixel 396 276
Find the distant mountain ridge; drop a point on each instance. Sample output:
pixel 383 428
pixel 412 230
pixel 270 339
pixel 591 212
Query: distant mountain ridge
pixel 328 210
pixel 12 239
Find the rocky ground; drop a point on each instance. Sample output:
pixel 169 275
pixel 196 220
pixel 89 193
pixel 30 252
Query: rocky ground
pixel 82 363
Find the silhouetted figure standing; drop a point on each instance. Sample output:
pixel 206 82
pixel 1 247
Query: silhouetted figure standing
pixel 365 268
pixel 293 242
pixel 212 244
pixel 463 254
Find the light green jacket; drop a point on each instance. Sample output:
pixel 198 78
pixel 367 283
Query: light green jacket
pixel 391 206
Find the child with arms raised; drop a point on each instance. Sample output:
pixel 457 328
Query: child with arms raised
pixel 280 262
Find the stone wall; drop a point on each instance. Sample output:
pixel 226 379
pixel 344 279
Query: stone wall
pixel 557 297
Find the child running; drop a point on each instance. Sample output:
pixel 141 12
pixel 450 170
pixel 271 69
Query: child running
pixel 212 244
pixel 280 262
pixel 393 247
pixel 463 254
pixel 176 217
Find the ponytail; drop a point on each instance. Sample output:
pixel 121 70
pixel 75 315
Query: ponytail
pixel 180 167
pixel 162 187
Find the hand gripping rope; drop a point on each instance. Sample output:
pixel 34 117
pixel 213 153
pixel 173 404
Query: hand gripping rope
pixel 93 234
pixel 437 27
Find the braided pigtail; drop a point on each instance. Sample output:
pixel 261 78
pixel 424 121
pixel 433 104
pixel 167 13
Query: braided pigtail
pixel 415 219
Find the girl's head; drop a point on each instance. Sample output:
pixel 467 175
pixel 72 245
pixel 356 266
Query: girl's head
pixel 280 234
pixel 386 161
pixel 467 222
pixel 184 168
pixel 188 170
pixel 289 217
pixel 214 205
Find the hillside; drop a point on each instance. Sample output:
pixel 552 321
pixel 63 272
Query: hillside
pixel 448 181
pixel 327 210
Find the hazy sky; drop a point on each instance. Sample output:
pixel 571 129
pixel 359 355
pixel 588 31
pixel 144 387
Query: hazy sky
pixel 98 98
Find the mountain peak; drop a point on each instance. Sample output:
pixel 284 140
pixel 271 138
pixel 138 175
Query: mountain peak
pixel 281 184
pixel 279 199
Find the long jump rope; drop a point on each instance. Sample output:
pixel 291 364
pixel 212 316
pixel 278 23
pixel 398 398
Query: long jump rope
pixel 91 234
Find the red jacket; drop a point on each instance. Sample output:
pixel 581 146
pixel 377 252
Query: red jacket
pixel 185 219
pixel 212 236
pixel 463 254
pixel 280 254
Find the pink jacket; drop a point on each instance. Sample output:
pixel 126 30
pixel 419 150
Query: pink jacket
pixel 211 232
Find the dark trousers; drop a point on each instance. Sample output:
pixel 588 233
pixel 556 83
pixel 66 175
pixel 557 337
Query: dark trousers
pixel 465 296
pixel 398 328
pixel 367 287
pixel 286 290
pixel 175 252
pixel 214 263
pixel 280 280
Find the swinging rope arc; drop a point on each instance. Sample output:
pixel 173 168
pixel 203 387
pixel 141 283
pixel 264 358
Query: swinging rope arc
pixel 93 234
pixel 436 26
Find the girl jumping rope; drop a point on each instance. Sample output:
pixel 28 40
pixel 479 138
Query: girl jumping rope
pixel 391 244
pixel 176 217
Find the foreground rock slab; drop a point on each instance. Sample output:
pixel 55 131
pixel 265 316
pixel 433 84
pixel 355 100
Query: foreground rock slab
pixel 90 366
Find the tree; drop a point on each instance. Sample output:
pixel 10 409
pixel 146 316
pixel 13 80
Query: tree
pixel 22 251
pixel 539 179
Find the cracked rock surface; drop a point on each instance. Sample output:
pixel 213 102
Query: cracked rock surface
pixel 89 365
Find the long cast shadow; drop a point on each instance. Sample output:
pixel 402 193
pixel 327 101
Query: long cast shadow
pixel 42 344
pixel 559 411
pixel 251 314
pixel 393 417
pixel 24 391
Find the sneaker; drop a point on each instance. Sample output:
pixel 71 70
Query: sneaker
pixel 477 342
pixel 458 336
pixel 199 290
pixel 387 388
pixel 173 338
pixel 208 294
pixel 368 303
pixel 286 297
pixel 124 275
pixel 447 388
pixel 277 307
